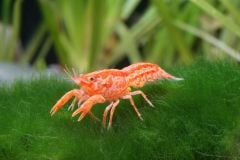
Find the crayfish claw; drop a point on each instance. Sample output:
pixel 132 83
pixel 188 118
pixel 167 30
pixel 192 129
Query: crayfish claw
pixel 82 116
pixel 76 112
pixel 64 99
pixel 53 111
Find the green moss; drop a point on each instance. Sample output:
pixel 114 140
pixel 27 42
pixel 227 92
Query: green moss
pixel 198 118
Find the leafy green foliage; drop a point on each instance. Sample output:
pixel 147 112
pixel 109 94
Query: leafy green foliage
pixel 165 32
pixel 10 45
pixel 197 118
pixel 9 35
pixel 93 34
pixel 81 29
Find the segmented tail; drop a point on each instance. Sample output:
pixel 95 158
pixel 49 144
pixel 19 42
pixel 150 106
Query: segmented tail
pixel 140 73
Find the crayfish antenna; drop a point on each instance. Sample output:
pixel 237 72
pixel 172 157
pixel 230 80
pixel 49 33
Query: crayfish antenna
pixel 67 71
pixel 74 72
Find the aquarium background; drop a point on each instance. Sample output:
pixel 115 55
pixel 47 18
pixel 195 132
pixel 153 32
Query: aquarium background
pixel 197 118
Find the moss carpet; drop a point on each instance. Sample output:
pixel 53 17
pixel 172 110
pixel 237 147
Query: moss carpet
pixel 198 118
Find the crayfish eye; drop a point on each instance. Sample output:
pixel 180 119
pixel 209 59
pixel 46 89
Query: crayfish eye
pixel 91 78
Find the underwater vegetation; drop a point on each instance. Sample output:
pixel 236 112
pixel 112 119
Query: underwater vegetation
pixel 198 118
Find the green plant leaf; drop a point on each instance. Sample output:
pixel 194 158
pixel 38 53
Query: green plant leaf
pixel 224 20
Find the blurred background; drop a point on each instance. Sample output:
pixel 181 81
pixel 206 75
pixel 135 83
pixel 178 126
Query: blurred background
pixel 42 35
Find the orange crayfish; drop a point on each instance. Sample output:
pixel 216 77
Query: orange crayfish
pixel 110 85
